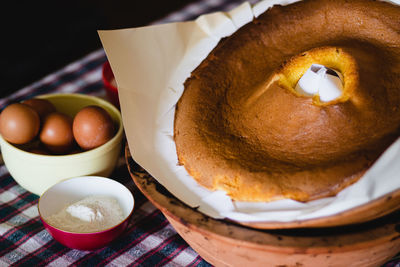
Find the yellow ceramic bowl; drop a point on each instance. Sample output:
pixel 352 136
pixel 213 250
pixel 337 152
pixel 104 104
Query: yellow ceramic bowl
pixel 36 173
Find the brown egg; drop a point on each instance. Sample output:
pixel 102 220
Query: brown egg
pixel 56 133
pixel 19 123
pixel 42 106
pixel 92 127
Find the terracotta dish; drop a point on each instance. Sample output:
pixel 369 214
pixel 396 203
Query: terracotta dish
pixel 223 243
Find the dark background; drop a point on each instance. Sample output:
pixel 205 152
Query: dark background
pixel 40 37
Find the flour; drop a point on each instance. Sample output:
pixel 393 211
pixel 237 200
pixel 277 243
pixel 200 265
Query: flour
pixel 91 214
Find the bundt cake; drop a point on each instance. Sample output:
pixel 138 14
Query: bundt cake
pixel 240 126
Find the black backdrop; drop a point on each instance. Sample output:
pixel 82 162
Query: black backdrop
pixel 40 37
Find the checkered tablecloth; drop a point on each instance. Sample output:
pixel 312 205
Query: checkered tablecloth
pixel 149 240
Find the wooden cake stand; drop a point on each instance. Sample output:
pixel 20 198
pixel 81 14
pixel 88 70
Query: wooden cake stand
pixel 223 243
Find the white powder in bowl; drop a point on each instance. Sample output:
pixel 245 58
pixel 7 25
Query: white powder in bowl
pixel 91 214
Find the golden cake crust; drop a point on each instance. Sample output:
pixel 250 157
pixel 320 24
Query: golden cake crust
pixel 238 128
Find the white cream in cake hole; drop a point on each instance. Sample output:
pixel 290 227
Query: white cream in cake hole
pixel 322 81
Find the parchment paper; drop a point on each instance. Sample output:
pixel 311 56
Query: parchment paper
pixel 150 65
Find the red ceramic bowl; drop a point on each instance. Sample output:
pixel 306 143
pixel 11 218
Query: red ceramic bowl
pixel 75 189
pixel 110 84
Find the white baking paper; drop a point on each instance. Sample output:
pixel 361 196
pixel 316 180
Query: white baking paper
pixel 150 65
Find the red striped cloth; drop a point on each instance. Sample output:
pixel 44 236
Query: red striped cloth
pixel 149 240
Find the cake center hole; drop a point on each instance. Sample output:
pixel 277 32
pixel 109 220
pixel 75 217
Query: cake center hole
pixel 322 81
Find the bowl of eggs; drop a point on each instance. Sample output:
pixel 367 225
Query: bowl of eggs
pixel 53 137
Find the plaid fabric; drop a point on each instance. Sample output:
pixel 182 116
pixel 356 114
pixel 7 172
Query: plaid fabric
pixel 149 240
